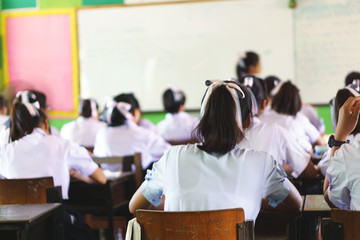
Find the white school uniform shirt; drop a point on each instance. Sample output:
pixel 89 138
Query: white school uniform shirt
pixel 144 123
pixel 344 178
pixel 277 142
pixel 192 179
pixel 324 162
pixel 129 139
pixel 177 126
pixel 298 126
pixel 313 117
pixel 82 131
pixel 41 155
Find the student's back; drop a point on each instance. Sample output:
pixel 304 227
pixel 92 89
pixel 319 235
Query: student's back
pixel 123 137
pixel 177 125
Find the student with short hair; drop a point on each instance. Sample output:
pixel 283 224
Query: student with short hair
pixel 84 129
pixel 178 125
pixel 123 137
pixel 286 105
pixel 33 153
pixel 282 146
pixel 342 181
pixel 349 79
pixel 217 173
pixel 248 64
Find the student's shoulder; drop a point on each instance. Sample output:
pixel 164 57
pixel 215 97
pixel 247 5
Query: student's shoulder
pixel 251 155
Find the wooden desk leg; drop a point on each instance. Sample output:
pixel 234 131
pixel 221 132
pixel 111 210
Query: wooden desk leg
pixel 23 234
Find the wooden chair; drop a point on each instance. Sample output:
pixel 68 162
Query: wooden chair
pixel 25 191
pixel 213 224
pixel 127 162
pixel 344 224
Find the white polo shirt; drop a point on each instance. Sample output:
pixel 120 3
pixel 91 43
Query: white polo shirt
pixel 82 131
pixel 313 117
pixel 298 126
pixel 344 178
pixel 41 155
pixel 192 179
pixel 278 142
pixel 177 127
pixel 129 139
pixel 144 123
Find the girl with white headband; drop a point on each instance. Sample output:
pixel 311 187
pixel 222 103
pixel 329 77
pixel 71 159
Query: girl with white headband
pixel 217 173
pixel 286 105
pixel 248 64
pixel 123 137
pixel 178 125
pixel 283 147
pixel 84 129
pixel 33 153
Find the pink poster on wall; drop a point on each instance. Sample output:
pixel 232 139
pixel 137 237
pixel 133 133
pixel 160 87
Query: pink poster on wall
pixel 40 56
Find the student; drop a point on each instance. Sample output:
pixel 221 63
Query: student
pixel 84 129
pixel 271 82
pixel 3 113
pixel 248 64
pixel 135 111
pixel 349 79
pixel 123 137
pixel 177 125
pixel 33 153
pixel 286 105
pixel 283 147
pixel 217 173
pixel 354 137
pixel 342 181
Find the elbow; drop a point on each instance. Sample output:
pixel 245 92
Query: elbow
pixel 132 208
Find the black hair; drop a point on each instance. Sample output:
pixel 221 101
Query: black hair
pixel 128 98
pixel 341 97
pixel 258 88
pixel 172 100
pixel 86 109
pixel 218 128
pixel 271 82
pixel 287 100
pixel 351 77
pixel 250 59
pixel 22 123
pixel 116 118
pixel 40 97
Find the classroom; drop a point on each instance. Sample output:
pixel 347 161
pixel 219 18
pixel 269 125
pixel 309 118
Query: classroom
pixel 179 119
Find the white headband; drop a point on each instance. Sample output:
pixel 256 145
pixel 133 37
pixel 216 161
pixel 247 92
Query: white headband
pixel 241 62
pixel 33 108
pixel 123 107
pixel 353 91
pixel 249 82
pixel 232 87
pixel 276 89
pixel 178 95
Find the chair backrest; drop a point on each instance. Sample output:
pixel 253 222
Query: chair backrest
pixel 127 162
pixel 25 191
pixel 211 224
pixel 351 221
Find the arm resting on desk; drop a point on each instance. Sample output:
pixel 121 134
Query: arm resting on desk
pixel 293 202
pixel 97 177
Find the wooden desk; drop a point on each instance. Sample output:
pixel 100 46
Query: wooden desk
pixel 31 221
pixel 315 208
pixel 104 200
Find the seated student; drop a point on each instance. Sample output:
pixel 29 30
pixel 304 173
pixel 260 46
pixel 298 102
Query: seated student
pixel 354 137
pixel 84 129
pixel 283 147
pixel 248 64
pixel 286 105
pixel 3 113
pixel 177 125
pixel 33 153
pixel 349 79
pixel 122 137
pixel 342 181
pixel 135 111
pixel 217 173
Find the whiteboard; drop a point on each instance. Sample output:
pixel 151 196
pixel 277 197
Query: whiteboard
pixel 327 37
pixel 146 49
